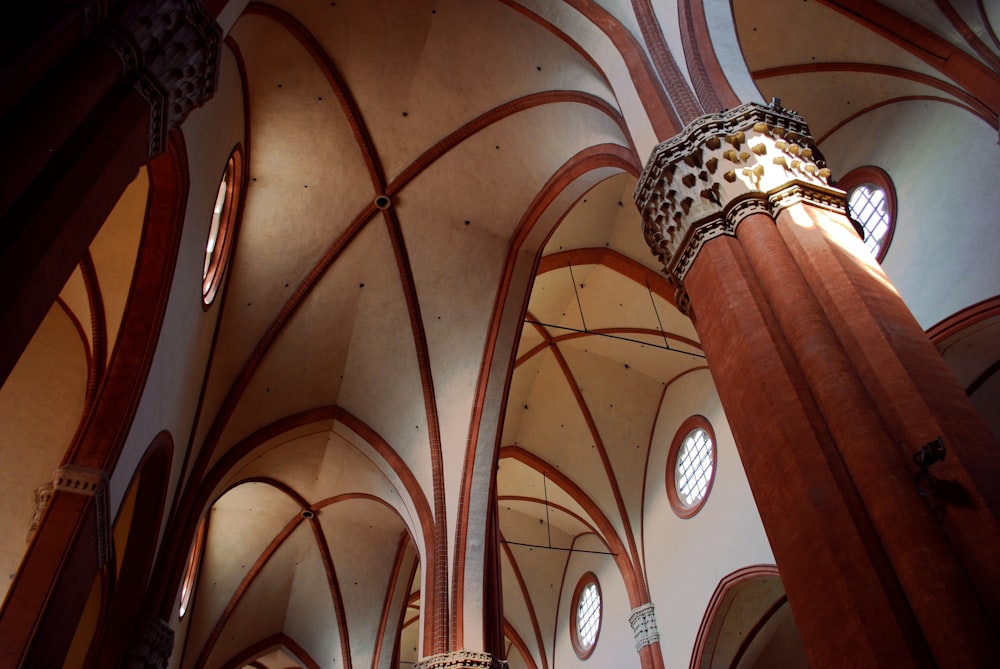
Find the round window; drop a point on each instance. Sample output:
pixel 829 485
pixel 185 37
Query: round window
pixel 220 231
pixel 586 623
pixel 871 204
pixel 691 466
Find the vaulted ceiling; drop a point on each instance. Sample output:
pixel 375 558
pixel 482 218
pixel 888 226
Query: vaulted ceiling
pixel 363 351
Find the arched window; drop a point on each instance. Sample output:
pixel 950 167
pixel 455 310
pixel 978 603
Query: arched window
pixel 223 225
pixel 586 621
pixel 871 203
pixel 691 466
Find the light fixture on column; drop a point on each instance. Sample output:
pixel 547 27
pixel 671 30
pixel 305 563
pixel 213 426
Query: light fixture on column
pixel 930 453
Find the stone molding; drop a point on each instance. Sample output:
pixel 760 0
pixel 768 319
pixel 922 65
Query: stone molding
pixel 643 622
pixel 796 193
pixel 170 52
pixel 80 480
pixel 461 659
pixel 722 168
pixel 91 482
pixel 151 645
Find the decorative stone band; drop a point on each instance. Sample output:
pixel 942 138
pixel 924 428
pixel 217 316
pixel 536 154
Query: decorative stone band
pixel 151 645
pixel 173 80
pixel 722 167
pixel 643 621
pixel 92 482
pixel 79 479
pixel 461 659
pixel 794 193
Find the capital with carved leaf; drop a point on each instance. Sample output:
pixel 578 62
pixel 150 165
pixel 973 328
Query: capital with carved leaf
pixel 721 168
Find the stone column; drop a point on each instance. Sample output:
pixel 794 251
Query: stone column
pixel 830 387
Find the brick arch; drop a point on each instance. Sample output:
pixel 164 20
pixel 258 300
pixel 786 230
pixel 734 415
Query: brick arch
pixel 588 167
pixel 718 605
pixel 51 589
pixel 201 495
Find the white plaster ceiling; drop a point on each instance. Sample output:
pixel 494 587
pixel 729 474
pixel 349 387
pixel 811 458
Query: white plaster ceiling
pixel 833 67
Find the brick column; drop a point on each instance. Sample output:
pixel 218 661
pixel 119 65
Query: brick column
pixel 830 387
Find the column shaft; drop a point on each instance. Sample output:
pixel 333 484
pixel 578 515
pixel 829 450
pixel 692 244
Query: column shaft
pixel 830 559
pixel 912 390
pixel 937 588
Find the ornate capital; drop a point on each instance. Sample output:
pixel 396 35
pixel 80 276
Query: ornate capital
pixel 43 494
pixel 643 621
pixel 92 482
pixel 170 51
pixel 721 168
pixel 461 659
pixel 151 645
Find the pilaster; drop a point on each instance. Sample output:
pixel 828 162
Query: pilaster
pixel 71 544
pixel 89 482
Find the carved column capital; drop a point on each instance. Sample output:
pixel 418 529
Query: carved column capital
pixel 152 644
pixel 720 169
pixel 643 622
pixel 43 494
pixel 461 659
pixel 170 51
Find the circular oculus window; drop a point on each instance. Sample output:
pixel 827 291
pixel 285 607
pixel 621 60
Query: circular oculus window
pixel 586 623
pixel 220 231
pixel 691 466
